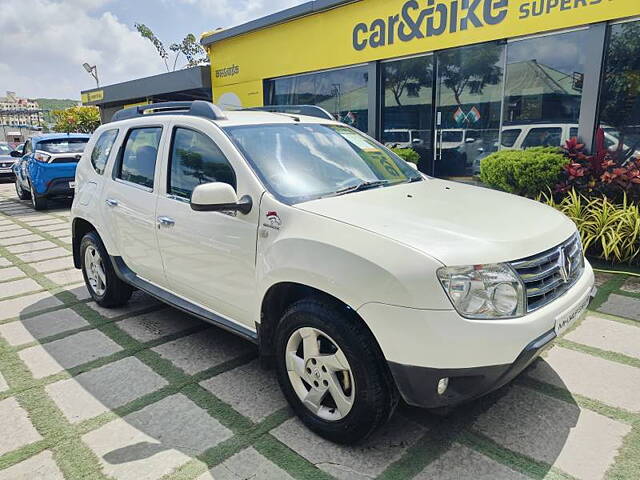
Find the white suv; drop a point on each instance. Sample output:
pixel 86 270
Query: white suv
pixel 362 280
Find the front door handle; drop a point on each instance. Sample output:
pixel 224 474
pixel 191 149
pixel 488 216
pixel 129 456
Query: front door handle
pixel 166 222
pixel 111 202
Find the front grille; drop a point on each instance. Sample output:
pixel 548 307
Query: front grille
pixel 550 274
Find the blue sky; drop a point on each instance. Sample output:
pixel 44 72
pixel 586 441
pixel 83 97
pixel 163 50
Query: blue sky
pixel 43 56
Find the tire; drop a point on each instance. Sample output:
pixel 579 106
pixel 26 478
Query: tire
pixel 366 395
pixel 22 193
pixel 102 282
pixel 38 202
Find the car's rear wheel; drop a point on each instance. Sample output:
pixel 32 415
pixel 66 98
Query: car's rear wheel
pixel 38 202
pixel 22 193
pixel 332 372
pixel 102 282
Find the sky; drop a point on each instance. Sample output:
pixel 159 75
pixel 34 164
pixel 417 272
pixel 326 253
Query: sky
pixel 43 43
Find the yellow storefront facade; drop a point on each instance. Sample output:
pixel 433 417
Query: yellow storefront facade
pixel 450 78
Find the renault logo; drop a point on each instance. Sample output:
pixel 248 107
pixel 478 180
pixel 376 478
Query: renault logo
pixel 565 265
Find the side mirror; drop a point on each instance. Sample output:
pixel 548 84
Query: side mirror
pixel 16 154
pixel 219 197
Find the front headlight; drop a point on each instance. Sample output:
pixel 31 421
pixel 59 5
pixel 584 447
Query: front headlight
pixel 484 292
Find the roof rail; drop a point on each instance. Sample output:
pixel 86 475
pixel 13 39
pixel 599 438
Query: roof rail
pixel 308 110
pixel 197 108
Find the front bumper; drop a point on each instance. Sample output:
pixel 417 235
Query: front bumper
pixel 422 347
pixel 419 385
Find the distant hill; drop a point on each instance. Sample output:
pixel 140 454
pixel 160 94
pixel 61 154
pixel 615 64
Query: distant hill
pixel 52 104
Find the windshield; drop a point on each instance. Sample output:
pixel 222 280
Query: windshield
pixel 401 136
pixel 63 145
pixel 300 162
pixel 5 149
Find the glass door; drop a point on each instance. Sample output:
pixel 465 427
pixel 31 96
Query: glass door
pixel 407 111
pixel 469 93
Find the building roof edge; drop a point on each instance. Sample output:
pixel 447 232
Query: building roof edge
pixel 283 16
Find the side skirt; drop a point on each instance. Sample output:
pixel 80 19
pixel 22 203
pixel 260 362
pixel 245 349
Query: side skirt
pixel 129 276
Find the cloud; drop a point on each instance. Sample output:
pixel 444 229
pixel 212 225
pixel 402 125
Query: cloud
pixel 240 11
pixel 43 56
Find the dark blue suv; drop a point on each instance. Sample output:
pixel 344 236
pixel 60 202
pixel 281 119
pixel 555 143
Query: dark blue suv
pixel 47 167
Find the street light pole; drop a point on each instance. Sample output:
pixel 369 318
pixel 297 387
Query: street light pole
pixel 93 71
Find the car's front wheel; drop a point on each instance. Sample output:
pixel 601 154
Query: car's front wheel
pixel 102 282
pixel 332 372
pixel 38 202
pixel 21 192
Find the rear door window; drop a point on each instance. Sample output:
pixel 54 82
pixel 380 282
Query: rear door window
pixel 139 156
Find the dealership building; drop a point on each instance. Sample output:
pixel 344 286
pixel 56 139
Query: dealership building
pixel 453 79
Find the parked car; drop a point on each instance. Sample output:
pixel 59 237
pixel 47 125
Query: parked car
pixel 519 137
pixel 362 280
pixel 47 167
pixel 6 160
pixel 404 138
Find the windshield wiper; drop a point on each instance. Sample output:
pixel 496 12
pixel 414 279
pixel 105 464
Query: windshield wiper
pixel 362 186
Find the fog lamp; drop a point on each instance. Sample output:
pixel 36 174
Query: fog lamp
pixel 443 384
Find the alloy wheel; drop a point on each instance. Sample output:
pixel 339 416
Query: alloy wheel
pixel 94 269
pixel 320 374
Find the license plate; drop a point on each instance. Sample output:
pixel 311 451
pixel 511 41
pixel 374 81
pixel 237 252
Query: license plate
pixel 72 184
pixel 564 322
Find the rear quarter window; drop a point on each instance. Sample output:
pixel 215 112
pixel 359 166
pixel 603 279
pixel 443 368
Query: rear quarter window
pixel 102 150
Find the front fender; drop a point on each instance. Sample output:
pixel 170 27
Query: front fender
pixel 344 275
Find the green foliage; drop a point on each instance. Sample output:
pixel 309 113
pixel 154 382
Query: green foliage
pixel 609 231
pixel 407 154
pixel 190 48
pixel 523 172
pixel 51 104
pixel 76 120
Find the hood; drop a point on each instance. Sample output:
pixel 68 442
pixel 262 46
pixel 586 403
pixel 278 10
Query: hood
pixel 454 223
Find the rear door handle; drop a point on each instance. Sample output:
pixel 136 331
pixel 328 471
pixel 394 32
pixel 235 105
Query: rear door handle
pixel 111 202
pixel 166 222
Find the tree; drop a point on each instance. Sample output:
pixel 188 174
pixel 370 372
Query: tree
pixel 409 75
pixel 189 48
pixel 76 120
pixel 470 68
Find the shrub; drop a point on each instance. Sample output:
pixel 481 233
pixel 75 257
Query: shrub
pixel 600 174
pixel 407 154
pixel 609 230
pixel 523 172
pixel 77 120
